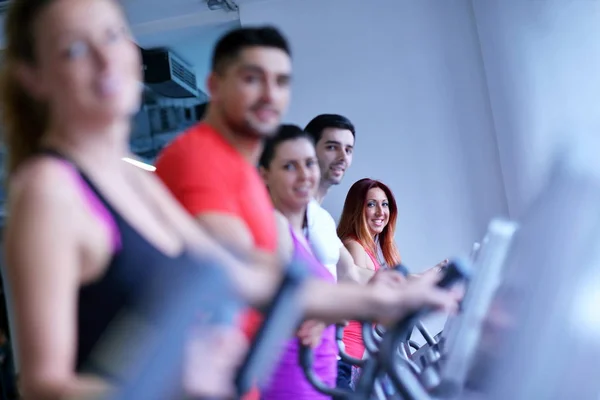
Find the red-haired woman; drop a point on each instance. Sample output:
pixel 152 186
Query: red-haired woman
pixel 366 227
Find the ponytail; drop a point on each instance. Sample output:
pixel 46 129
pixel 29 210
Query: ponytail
pixel 23 117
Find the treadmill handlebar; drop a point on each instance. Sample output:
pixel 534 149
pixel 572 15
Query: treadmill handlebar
pixel 457 270
pixel 368 337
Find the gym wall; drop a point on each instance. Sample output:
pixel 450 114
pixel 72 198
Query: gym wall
pixel 409 74
pixel 542 61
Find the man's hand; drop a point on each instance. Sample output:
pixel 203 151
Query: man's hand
pixel 396 301
pixel 310 333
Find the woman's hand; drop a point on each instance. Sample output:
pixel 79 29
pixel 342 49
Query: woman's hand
pixel 311 332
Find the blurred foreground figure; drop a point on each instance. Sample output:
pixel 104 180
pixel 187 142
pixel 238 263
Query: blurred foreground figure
pixel 542 335
pixel 88 236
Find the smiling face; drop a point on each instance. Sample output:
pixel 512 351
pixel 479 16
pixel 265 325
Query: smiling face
pixel 377 210
pixel 335 150
pixel 293 175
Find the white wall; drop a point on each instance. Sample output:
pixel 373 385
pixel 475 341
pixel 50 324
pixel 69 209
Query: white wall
pixel 409 74
pixel 542 60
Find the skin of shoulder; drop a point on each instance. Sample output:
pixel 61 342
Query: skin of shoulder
pixel 357 251
pixel 39 177
pixel 365 268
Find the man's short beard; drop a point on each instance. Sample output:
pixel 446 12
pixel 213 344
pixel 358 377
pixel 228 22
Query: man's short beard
pixel 246 129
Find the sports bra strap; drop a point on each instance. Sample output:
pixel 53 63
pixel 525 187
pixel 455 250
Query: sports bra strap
pixel 96 206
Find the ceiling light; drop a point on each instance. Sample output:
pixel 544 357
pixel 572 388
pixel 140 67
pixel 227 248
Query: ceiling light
pixel 140 164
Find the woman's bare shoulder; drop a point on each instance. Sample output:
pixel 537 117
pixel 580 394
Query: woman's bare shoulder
pixel 353 244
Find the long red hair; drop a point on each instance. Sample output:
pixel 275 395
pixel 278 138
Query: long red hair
pixel 353 222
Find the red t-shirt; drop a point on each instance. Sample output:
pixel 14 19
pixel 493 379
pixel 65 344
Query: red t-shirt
pixel 208 175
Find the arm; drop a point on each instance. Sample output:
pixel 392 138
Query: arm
pixel 43 248
pixel 360 259
pixel 233 233
pixel 207 191
pixel 381 301
pixel 256 285
pixel 347 270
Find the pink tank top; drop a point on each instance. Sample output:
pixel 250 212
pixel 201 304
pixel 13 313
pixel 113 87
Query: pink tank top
pixel 353 342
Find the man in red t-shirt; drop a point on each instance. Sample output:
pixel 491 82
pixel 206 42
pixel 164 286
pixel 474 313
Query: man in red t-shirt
pixel 211 168
pixel 225 194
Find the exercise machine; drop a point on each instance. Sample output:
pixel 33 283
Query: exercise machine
pixel 541 339
pixel 382 360
pixel 461 333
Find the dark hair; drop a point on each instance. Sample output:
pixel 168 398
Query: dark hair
pixel 353 222
pixel 321 122
pixel 25 119
pixel 286 132
pixel 230 45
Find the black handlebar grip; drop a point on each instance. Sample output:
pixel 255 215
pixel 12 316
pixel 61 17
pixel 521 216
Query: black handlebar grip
pixel 455 271
pixel 369 338
pixel 306 358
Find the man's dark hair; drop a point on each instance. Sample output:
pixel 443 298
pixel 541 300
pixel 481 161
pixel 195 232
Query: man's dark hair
pixel 286 132
pixel 232 43
pixel 321 122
